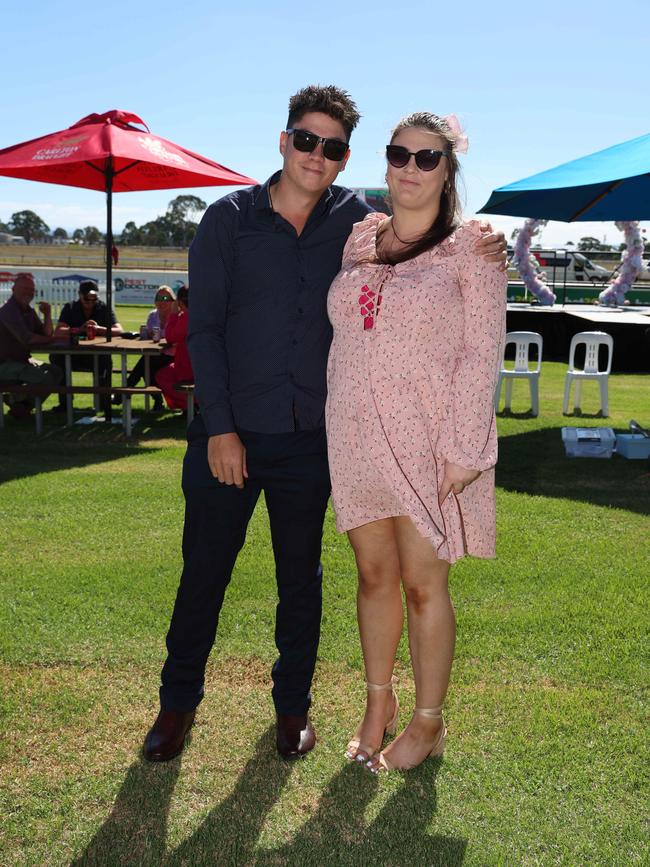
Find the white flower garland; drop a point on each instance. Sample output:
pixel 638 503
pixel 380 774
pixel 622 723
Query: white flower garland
pixel 632 264
pixel 528 266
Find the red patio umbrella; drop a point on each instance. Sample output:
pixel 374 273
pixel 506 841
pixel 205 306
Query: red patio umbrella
pixel 107 152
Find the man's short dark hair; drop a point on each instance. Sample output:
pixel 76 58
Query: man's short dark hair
pixel 326 99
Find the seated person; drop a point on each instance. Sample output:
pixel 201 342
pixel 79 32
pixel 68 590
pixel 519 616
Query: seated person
pixel 156 319
pixel 180 370
pixel 21 330
pixel 88 309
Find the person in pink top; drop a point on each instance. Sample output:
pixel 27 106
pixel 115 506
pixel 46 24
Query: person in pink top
pixel 419 322
pixel 180 370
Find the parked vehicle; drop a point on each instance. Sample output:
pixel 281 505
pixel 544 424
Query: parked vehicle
pixel 568 266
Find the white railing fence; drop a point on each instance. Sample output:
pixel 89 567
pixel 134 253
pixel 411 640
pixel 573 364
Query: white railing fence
pixel 57 293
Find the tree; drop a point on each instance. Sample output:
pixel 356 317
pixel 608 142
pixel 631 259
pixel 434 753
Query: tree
pixel 60 233
pixel 4 227
pixel 78 235
pixel 131 235
pixel 175 228
pixel 181 228
pixel 92 235
pixel 182 208
pixel 156 233
pixel 29 225
pixel 569 244
pixel 589 243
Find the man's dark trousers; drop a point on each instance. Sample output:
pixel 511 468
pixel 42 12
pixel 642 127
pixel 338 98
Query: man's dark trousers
pixel 291 469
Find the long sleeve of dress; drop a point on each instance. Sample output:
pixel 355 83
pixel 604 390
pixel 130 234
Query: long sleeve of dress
pixel 470 425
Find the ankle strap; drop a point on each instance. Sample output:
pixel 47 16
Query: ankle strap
pixel 433 712
pixel 376 687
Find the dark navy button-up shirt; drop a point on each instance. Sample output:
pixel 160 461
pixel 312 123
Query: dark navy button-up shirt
pixel 259 333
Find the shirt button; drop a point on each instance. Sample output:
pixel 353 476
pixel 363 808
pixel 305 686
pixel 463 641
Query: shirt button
pixel 295 342
pixel 300 311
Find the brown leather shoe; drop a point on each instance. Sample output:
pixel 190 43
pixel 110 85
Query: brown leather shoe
pixel 166 738
pixel 295 735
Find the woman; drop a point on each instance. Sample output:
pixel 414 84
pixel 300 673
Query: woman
pixel 157 318
pixel 180 370
pixel 418 321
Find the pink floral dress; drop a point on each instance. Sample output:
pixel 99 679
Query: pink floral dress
pixel 411 377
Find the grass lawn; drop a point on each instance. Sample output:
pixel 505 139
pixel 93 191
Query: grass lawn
pixel 79 256
pixel 547 758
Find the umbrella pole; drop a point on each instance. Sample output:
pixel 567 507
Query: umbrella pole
pixel 109 273
pixel 109 243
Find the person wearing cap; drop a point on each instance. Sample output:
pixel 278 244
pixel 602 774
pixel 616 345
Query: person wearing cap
pixel 21 331
pixel 87 310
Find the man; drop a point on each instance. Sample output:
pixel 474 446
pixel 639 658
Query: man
pixel 21 331
pixel 260 267
pixel 78 315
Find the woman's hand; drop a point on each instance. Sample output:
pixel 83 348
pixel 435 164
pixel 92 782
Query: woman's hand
pixel 456 479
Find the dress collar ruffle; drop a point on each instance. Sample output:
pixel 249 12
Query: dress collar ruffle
pixel 367 238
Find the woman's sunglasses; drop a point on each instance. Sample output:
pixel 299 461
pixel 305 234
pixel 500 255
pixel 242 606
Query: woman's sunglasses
pixel 333 148
pixel 163 298
pixel 426 160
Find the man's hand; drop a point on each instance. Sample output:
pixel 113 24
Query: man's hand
pixel 455 479
pixel 227 459
pixel 45 307
pixel 492 245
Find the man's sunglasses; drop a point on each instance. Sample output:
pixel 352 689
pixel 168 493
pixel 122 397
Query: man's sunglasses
pixel 426 160
pixel 333 148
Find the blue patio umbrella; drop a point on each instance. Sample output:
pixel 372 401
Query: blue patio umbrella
pixel 613 184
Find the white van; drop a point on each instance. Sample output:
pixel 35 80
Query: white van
pixel 567 266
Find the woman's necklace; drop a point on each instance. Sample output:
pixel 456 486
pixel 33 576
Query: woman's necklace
pixel 401 240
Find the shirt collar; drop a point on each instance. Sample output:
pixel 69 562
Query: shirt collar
pixel 262 200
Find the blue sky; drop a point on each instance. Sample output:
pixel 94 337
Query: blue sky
pixel 535 85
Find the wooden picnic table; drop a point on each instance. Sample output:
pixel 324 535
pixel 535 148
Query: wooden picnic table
pixel 122 346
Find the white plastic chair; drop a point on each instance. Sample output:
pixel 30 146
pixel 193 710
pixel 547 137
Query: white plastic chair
pixel 593 340
pixel 523 340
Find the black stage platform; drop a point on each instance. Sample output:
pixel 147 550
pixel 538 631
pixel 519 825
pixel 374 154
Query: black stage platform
pixel 629 326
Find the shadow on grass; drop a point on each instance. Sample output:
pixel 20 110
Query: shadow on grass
pixel 535 463
pixel 135 831
pixel 25 454
pixel 337 833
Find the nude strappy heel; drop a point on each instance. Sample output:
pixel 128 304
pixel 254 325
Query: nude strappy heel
pixel 391 725
pixel 436 750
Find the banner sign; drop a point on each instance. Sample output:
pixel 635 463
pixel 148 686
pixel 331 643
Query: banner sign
pixel 129 287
